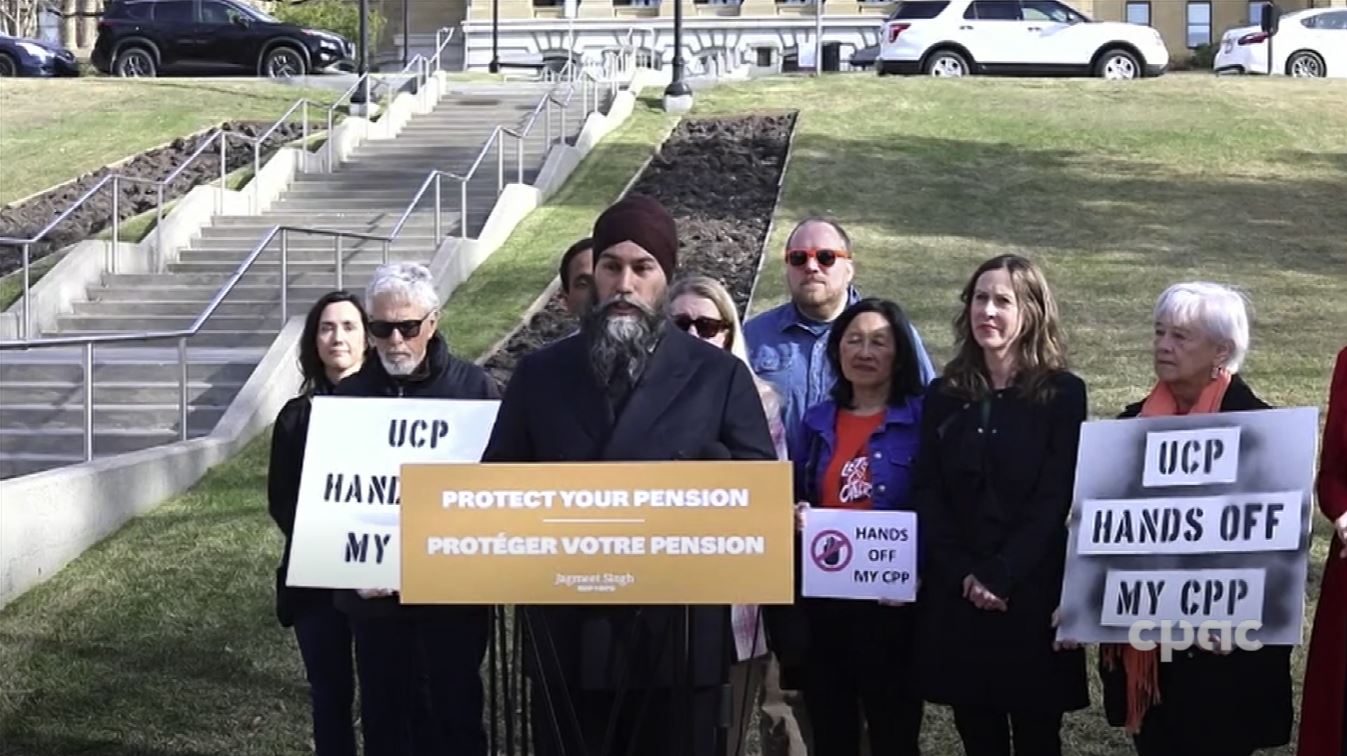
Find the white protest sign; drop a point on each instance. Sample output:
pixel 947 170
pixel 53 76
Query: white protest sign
pixel 348 515
pixel 1185 521
pixel 860 554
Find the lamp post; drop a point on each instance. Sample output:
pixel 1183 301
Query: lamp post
pixel 818 37
pixel 494 66
pixel 360 97
pixel 406 31
pixel 678 95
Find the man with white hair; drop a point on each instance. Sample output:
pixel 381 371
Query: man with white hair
pixel 420 689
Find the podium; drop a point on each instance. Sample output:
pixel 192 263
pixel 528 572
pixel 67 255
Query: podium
pixel 611 585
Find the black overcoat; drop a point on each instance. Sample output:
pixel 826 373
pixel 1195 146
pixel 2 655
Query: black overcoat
pixel 993 489
pixel 692 401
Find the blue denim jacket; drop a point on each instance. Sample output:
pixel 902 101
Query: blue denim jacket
pixel 790 351
pixel 893 452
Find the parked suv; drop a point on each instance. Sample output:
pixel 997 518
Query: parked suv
pixel 145 37
pixel 1034 37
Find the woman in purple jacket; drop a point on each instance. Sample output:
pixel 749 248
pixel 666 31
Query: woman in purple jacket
pixel 855 451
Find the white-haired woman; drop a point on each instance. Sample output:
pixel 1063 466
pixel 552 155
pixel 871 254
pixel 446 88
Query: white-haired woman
pixel 1224 704
pixel 703 307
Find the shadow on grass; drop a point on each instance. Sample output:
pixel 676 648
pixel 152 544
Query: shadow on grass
pixel 1053 199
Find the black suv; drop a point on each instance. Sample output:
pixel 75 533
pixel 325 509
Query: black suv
pixel 145 37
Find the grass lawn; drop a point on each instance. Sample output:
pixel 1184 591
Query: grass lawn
pixel 55 130
pixel 161 639
pixel 1117 191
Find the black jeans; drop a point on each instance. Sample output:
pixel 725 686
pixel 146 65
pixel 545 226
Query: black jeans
pixel 988 732
pixel 860 661
pixel 835 697
pixel 421 686
pixel 324 637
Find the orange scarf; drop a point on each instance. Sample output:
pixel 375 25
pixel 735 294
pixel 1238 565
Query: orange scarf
pixel 1142 668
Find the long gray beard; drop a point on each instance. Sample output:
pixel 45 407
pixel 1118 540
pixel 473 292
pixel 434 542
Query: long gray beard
pixel 620 343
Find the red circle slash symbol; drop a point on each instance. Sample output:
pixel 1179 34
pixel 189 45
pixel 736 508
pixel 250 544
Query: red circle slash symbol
pixel 830 550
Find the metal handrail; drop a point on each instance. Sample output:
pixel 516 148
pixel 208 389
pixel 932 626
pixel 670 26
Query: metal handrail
pixel 182 335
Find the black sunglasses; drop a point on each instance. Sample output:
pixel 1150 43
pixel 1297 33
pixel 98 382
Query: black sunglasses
pixel 797 258
pixel 410 329
pixel 707 328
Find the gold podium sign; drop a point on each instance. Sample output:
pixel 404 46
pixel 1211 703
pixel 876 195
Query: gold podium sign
pixel 716 532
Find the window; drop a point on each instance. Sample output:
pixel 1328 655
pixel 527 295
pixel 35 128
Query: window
pixel 218 13
pixel 175 12
pixel 1049 10
pixel 1139 13
pixel 1336 20
pixel 1199 24
pixel 918 9
pixel 130 11
pixel 1256 11
pixel 764 57
pixel 993 10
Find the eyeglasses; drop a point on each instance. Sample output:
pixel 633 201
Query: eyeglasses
pixel 707 328
pixel 410 329
pixel 798 258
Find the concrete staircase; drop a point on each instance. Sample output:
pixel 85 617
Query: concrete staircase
pixel 136 388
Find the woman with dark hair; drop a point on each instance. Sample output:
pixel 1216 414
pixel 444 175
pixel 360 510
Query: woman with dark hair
pixel 332 347
pixel 855 451
pixel 993 485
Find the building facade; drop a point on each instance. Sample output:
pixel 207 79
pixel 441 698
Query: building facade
pixel 772 34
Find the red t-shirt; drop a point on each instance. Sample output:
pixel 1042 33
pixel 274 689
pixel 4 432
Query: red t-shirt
pixel 846 482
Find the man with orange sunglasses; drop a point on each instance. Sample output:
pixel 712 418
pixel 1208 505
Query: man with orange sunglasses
pixel 786 344
pixel 787 347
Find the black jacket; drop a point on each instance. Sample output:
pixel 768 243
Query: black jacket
pixel 1229 704
pixel 993 487
pixel 288 439
pixel 440 375
pixel 693 402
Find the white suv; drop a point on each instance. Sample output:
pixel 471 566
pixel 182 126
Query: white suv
pixel 1035 37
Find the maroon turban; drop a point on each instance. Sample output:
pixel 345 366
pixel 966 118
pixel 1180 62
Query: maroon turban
pixel 643 221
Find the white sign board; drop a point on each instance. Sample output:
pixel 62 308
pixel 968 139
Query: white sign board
pixel 348 514
pixel 860 554
pixel 1188 519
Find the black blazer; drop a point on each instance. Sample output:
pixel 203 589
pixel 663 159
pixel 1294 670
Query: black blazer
pixel 692 399
pixel 693 402
pixel 1230 704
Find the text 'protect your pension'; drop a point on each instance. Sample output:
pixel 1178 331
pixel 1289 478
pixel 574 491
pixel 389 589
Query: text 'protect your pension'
pixel 717 498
